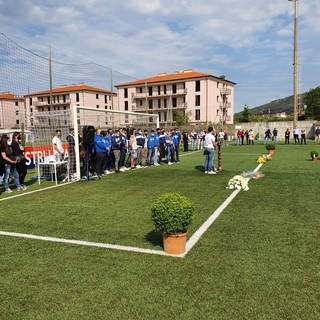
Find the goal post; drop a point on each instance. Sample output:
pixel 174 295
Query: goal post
pixel 104 119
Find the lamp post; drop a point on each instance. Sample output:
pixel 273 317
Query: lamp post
pixel 295 64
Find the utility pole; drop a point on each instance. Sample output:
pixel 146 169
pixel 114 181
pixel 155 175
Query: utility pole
pixel 295 64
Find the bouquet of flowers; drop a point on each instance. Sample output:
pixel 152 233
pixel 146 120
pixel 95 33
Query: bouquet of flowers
pixel 261 159
pixel 238 183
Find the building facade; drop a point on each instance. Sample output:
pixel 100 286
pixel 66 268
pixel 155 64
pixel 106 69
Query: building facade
pixel 201 97
pixel 12 111
pixel 65 97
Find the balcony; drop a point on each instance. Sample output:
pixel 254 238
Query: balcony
pixel 156 94
pixel 54 103
pixel 225 91
pixel 226 105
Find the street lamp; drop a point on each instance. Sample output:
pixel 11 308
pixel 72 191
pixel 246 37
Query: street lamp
pixel 295 64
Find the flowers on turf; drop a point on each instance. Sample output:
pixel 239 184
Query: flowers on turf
pixel 264 158
pixel 238 183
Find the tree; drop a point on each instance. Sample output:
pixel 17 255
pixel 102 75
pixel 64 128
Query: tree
pixel 312 100
pixel 245 115
pixel 180 118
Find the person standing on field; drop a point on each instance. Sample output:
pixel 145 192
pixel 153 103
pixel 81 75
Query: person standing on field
pixel 210 145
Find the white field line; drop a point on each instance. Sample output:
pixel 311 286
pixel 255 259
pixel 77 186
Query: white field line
pixel 190 243
pixel 34 191
pixel 83 243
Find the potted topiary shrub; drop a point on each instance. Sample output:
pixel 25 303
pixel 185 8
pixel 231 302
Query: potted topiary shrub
pixel 172 214
pixel 270 146
pixel 314 155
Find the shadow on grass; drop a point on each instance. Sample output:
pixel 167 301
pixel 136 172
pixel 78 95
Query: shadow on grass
pixel 199 168
pixel 155 238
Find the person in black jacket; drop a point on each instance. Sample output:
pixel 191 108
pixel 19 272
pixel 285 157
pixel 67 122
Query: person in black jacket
pixel 18 150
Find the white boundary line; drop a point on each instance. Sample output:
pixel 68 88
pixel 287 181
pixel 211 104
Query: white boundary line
pixel 190 243
pixel 83 243
pixel 34 191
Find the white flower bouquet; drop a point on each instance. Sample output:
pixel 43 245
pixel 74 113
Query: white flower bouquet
pixel 238 183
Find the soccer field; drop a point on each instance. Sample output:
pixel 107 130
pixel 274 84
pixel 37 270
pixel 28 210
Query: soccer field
pixel 258 260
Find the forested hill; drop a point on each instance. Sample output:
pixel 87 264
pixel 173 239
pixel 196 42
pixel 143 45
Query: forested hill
pixel 276 106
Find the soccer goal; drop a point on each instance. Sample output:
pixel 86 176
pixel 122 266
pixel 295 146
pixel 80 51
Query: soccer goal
pixel 105 119
pixel 46 123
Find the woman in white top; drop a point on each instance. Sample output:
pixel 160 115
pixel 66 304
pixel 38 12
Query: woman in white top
pixel 209 145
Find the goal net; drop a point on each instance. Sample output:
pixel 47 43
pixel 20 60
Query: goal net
pixel 45 125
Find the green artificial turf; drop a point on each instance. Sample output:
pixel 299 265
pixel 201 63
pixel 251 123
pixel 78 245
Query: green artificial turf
pixel 259 260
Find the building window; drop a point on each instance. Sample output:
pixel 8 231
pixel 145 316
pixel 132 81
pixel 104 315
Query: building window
pixel 77 97
pixel 184 86
pixel 31 109
pixel 165 103
pixel 197 85
pixel 197 115
pixel 165 89
pixel 165 116
pixel 30 101
pixel 16 103
pixel 174 88
pixel 140 90
pixel 97 96
pixel 159 103
pixel 141 103
pixel 17 121
pixel 105 99
pixel 159 90
pixel 217 98
pixel 174 102
pixel 126 106
pixel 150 91
pixel 126 92
pixel 159 114
pixel 197 101
pixel 150 104
pixel 105 107
pixel 97 106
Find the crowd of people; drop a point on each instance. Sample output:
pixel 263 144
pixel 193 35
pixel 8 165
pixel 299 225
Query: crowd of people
pixel 299 136
pixel 124 149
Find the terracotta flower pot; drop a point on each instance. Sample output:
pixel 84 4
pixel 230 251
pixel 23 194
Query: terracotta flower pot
pixel 314 159
pixel 174 244
pixel 270 151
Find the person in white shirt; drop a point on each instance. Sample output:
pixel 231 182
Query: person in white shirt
pixel 58 150
pixel 210 145
pixel 296 133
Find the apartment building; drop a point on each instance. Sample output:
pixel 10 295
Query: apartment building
pixel 202 97
pixel 66 96
pixel 12 111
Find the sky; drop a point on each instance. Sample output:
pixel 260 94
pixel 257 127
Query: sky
pixel 248 41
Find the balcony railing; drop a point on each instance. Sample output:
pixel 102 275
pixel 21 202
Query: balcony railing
pixel 54 103
pixel 156 94
pixel 226 105
pixel 225 91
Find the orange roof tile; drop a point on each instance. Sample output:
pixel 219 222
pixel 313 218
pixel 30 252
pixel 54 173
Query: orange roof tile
pixel 7 96
pixel 169 77
pixel 71 88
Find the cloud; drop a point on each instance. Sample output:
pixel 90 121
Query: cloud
pixel 245 40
